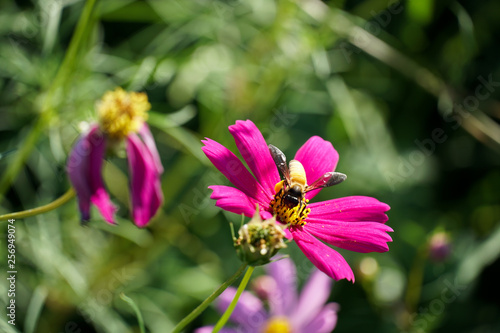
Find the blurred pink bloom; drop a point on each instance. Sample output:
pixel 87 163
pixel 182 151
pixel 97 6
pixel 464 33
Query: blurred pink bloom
pixel 288 311
pixel 85 161
pixel 440 246
pixel 355 223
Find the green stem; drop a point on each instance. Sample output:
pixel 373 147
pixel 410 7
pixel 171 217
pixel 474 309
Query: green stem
pixel 42 209
pixel 415 277
pixel 134 307
pixel 196 312
pixel 65 70
pixel 222 321
pixel 74 47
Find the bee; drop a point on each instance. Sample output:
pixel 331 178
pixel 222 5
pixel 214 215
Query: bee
pixel 295 182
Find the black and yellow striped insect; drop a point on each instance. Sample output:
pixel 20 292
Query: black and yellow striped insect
pixel 295 183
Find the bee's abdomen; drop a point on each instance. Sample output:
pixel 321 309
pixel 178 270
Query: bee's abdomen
pixel 297 173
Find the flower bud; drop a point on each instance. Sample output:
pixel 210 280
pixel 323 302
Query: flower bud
pixel 264 286
pixel 439 246
pixel 259 240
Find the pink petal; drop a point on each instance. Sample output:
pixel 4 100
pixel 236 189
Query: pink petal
pixel 288 234
pixel 232 200
pixel 312 299
pixel 355 208
pixel 322 256
pixel 248 312
pixel 209 329
pixel 318 157
pixel 149 141
pixel 284 298
pixel 360 237
pixel 78 172
pixel 265 215
pixel 145 185
pixel 234 170
pixel 255 152
pixel 84 170
pixel 325 321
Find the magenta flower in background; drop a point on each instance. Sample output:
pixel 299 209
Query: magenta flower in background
pixel 355 223
pixel 288 311
pixel 121 118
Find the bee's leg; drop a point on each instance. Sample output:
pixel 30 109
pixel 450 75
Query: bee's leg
pixel 301 206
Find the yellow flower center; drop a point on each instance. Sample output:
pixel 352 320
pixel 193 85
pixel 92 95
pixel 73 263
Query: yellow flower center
pixel 278 325
pixel 121 113
pixel 294 215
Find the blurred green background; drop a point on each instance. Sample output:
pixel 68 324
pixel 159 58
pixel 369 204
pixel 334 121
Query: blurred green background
pixel 406 91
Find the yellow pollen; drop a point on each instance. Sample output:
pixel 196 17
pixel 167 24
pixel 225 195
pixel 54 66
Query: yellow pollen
pixel 288 215
pixel 121 113
pixel 278 325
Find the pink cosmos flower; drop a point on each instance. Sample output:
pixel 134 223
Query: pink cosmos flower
pixel 288 312
pixel 122 117
pixel 355 223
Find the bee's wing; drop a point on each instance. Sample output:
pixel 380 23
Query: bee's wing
pixel 328 179
pixel 280 161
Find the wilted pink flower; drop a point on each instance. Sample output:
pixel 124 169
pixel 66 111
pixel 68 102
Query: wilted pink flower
pixel 121 117
pixel 288 312
pixel 354 223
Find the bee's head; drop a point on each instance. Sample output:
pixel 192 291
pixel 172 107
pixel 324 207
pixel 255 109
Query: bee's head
pixel 295 190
